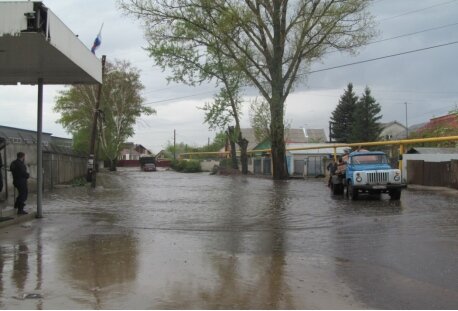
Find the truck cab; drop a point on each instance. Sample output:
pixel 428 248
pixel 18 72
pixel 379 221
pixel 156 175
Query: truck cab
pixel 370 171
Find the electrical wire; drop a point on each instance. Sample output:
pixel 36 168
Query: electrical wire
pixel 416 11
pixel 378 58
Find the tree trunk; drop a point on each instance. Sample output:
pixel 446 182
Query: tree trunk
pixel 230 131
pixel 113 163
pixel 277 127
pixel 243 144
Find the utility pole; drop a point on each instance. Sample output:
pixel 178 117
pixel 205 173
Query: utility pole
pixel 407 125
pixel 174 144
pixel 91 173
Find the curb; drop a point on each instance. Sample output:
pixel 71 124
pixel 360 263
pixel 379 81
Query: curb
pixel 18 219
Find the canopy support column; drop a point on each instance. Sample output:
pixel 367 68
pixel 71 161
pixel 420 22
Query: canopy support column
pixel 40 149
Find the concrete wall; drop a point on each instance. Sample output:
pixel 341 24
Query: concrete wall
pixel 207 165
pixel 57 168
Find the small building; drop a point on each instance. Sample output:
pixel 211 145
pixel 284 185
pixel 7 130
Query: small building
pixel 393 131
pixel 131 151
pixel 14 135
pixel 449 120
pixel 310 162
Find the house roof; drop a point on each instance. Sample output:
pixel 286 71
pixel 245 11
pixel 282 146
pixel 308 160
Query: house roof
pixel 248 134
pixel 25 135
pixel 388 124
pixel 315 136
pixel 424 150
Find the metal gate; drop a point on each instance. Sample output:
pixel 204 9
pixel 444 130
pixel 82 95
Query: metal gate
pixel 299 167
pixel 257 166
pixel 314 166
pixel 266 166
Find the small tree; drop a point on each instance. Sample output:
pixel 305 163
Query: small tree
pixel 342 117
pixel 120 106
pixel 366 126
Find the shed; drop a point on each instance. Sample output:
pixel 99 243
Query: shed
pixel 310 162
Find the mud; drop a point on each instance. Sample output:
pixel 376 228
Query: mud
pixel 166 240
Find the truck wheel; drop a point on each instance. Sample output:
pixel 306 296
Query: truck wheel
pixel 351 192
pixel 395 194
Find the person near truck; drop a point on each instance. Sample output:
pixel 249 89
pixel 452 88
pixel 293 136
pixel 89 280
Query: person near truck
pixel 1 176
pixel 332 168
pixel 20 176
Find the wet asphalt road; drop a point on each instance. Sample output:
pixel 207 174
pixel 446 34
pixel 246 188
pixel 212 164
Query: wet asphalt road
pixel 169 240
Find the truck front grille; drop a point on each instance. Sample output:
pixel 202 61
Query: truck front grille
pixel 377 177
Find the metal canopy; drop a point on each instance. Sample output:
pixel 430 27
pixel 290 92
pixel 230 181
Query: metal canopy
pixel 35 44
pixel 37 48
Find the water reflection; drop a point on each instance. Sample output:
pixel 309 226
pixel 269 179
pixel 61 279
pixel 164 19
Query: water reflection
pixel 20 265
pixel 256 281
pixel 99 261
pixel 2 263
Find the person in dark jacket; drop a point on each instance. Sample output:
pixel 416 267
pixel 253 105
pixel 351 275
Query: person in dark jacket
pixel 1 176
pixel 20 176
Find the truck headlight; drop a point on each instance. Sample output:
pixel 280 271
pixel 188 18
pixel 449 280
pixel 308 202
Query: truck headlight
pixel 358 178
pixel 397 177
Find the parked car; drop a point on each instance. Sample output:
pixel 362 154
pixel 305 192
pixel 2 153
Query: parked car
pixel 148 163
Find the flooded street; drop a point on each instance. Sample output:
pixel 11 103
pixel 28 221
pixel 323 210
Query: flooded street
pixel 168 240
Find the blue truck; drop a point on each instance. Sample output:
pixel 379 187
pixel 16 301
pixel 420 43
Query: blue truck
pixel 368 172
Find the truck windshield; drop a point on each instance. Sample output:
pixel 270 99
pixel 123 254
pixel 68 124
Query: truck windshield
pixel 369 159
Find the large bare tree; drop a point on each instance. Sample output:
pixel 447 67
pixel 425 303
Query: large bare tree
pixel 272 42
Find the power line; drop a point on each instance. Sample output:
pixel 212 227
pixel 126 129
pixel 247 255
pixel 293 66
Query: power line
pixel 379 58
pixel 416 11
pixel 175 98
pixel 325 69
pixel 400 36
pixel 412 33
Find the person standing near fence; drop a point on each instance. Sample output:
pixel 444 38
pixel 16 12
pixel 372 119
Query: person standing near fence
pixel 20 176
pixel 1 176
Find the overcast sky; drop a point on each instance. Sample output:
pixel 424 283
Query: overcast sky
pixel 426 80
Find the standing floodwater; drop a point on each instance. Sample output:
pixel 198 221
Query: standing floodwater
pixel 168 240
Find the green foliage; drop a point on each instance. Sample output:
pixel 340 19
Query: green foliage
pixel 79 182
pixel 186 166
pixel 218 142
pixel 226 163
pixel 436 131
pixel 366 126
pixel 120 106
pixel 356 120
pixel 342 117
pixel 260 119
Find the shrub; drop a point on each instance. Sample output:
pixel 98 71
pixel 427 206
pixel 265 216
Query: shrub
pixel 186 166
pixel 79 182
